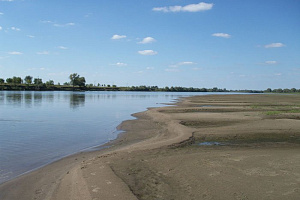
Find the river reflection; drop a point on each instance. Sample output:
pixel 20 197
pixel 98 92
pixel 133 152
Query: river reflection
pixel 77 100
pixel 36 99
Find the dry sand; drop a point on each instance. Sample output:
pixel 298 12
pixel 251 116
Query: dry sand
pixel 160 156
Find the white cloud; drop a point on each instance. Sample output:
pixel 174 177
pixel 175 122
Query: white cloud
pixel 64 25
pixel 274 45
pixel 182 63
pixel 15 29
pixel 223 35
pixel 118 37
pixel 148 52
pixel 147 40
pixel 161 9
pixel 62 47
pixel 149 68
pixel 31 36
pixel 278 74
pixel 47 22
pixel 1 13
pixel 15 53
pixel 271 62
pixel 43 53
pixel 0 28
pixel 120 64
pixel 186 63
pixel 188 8
pixel 8 0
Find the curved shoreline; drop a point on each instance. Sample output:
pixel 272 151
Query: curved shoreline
pixel 149 160
pixel 50 173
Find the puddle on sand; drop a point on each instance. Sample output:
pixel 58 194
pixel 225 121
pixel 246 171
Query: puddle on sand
pixel 210 144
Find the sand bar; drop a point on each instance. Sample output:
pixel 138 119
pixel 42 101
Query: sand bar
pixel 206 147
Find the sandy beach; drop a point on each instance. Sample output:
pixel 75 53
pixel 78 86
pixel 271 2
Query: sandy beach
pixel 205 147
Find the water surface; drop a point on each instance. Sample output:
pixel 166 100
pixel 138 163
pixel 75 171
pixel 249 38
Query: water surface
pixel 37 128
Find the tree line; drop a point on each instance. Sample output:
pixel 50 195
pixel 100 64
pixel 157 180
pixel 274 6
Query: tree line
pixel 78 82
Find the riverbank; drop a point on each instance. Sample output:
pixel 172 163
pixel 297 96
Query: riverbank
pixel 254 155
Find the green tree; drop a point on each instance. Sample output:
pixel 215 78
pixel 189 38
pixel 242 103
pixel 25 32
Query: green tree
pixel 9 80
pixel 37 81
pixel 268 90
pixel 28 79
pixel 75 79
pixel 17 80
pixel 50 82
pixel 279 90
pixel 1 80
pixel 81 81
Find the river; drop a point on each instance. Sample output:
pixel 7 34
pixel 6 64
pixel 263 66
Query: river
pixel 37 128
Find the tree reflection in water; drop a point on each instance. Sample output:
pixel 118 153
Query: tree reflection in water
pixel 77 100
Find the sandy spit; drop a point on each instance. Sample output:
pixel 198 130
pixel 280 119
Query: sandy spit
pixel 206 147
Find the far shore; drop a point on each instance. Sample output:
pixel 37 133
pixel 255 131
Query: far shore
pixel 205 147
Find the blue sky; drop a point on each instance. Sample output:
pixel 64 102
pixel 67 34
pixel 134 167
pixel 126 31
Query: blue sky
pixel 249 44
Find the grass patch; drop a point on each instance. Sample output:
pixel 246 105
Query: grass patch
pixel 273 112
pixel 251 138
pixel 276 112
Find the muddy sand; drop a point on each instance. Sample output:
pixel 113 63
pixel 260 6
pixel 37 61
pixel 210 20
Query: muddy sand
pixel 206 147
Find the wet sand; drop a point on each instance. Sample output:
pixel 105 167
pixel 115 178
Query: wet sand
pixel 253 153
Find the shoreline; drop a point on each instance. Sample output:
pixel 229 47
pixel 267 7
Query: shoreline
pixel 157 139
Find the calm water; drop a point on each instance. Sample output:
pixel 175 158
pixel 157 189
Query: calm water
pixel 37 128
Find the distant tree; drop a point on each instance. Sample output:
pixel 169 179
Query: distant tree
pixel 66 83
pixel 279 90
pixel 114 86
pixel 108 85
pixel 293 90
pixel 28 79
pixel 268 90
pixel 50 82
pixel 75 79
pixel 38 81
pixel 81 81
pixel 17 80
pixel 1 80
pixel 9 80
pixel 215 89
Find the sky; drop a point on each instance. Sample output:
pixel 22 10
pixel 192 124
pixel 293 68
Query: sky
pixel 233 44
